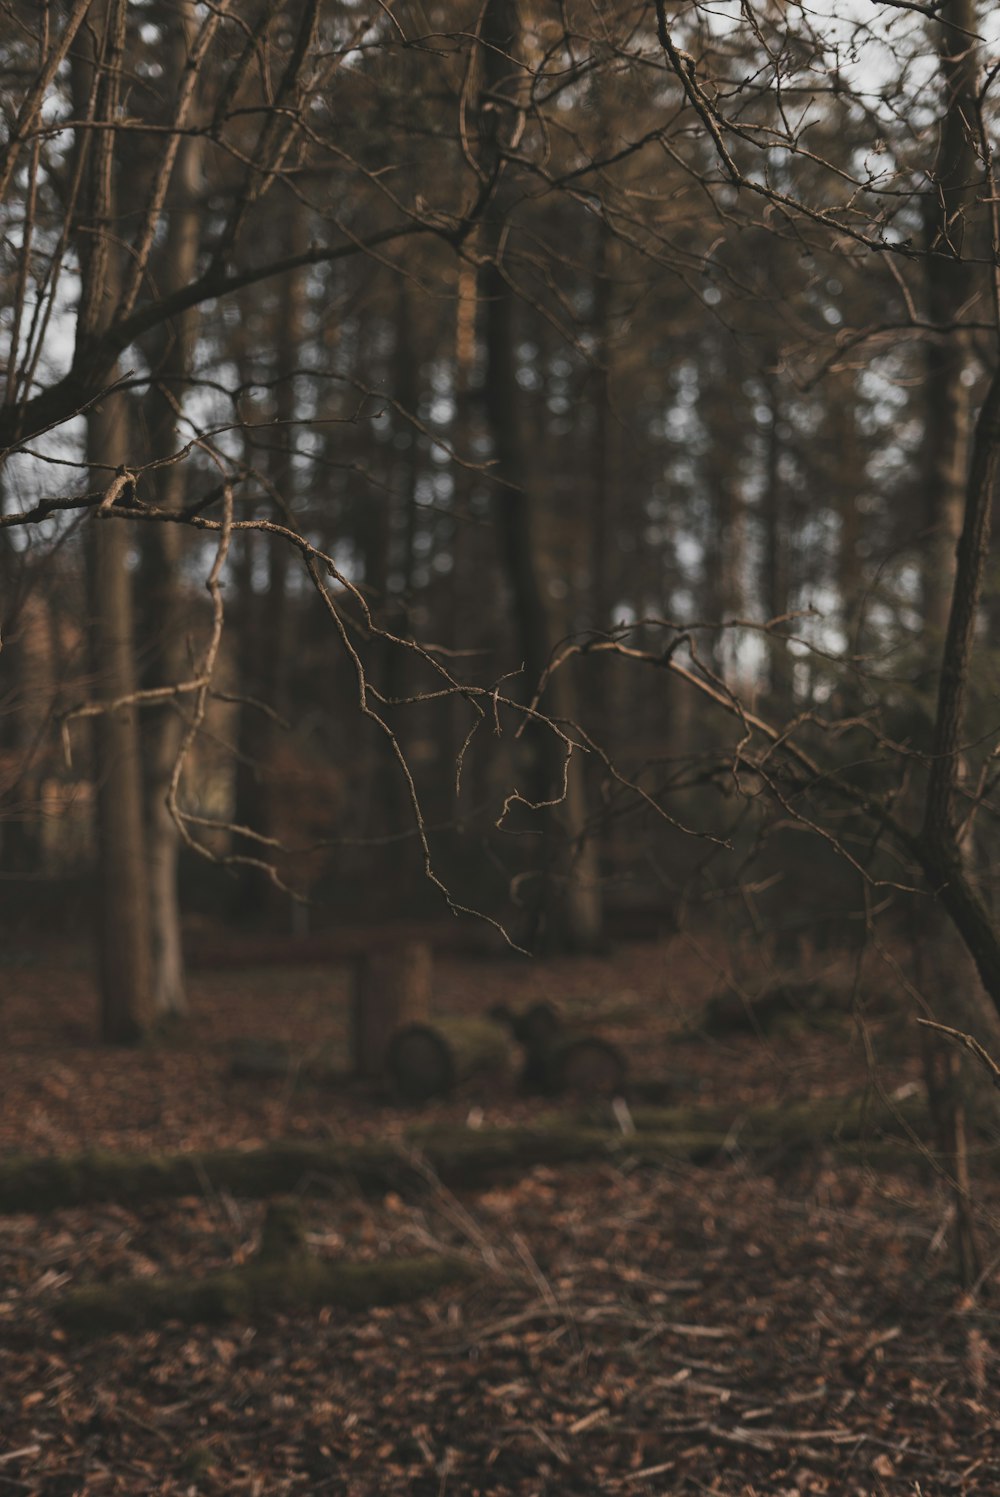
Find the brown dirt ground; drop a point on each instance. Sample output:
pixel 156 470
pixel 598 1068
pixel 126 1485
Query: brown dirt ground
pixel 747 1328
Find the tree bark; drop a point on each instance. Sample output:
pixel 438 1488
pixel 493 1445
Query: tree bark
pixel 959 503
pixel 569 911
pixel 278 618
pixel 581 1064
pixel 949 213
pixel 776 540
pixel 123 909
pixel 392 988
pixel 165 612
pixel 430 1060
pixel 850 463
pixel 460 1157
pixel 400 541
pixel 267 659
pixel 952 881
pixel 252 1290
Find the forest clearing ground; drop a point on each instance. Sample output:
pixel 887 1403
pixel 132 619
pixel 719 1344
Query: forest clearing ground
pixel 731 1329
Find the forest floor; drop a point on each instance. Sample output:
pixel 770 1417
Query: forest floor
pixel 761 1325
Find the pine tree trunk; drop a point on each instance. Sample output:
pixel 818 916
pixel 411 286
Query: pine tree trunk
pixel 570 906
pixel 776 561
pixel 273 623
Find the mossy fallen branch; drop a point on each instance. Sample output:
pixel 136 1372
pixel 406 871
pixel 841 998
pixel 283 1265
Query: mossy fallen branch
pixel 459 1157
pixel 791 1126
pixel 252 1291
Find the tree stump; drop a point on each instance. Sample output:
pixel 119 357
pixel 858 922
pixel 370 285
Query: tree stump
pixel 391 989
pixel 283 1238
pixel 430 1060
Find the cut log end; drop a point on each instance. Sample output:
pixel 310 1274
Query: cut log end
pixel 584 1066
pixel 430 1060
pixel 420 1064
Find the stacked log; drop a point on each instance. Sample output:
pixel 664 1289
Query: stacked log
pixel 430 1060
pixel 582 1064
pixel 560 1059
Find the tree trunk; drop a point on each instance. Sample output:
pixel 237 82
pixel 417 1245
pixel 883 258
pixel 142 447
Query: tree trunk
pixel 466 562
pixel 569 910
pixel 400 539
pixel 26 628
pixel 164 603
pixel 273 655
pixel 123 908
pixel 603 683
pixel 851 465
pixel 942 852
pixel 776 560
pixel 392 988
pixel 949 205
pixel 956 548
pixel 245 610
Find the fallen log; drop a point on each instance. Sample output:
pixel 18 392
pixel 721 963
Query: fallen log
pixel 858 1118
pixel 323 948
pixel 430 1060
pixel 784 1009
pixel 537 1026
pixel 560 1058
pixel 462 1158
pixel 283 1276
pixel 581 1064
pixel 252 1291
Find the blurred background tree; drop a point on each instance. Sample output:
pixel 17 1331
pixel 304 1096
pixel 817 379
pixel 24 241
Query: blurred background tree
pixel 575 414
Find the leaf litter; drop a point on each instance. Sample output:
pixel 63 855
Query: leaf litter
pixel 752 1327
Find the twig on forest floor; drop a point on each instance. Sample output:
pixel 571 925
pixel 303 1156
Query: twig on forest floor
pixel 19 1455
pixel 542 1283
pixel 453 1211
pixel 587 1421
pixel 766 1440
pixel 557 1449
pixel 648 1471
